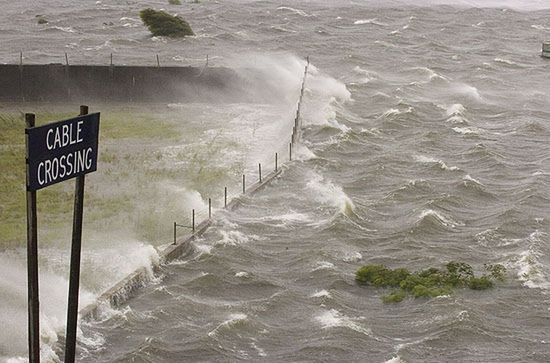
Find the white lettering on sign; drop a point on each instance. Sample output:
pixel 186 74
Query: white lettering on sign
pixel 64 135
pixel 66 165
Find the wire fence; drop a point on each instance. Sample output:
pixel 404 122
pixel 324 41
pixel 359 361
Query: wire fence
pixel 111 60
pixel 250 182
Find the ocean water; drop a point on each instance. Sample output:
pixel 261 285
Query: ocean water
pixel 426 140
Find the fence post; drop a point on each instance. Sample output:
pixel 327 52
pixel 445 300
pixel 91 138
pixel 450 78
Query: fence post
pixel 276 160
pixel 175 226
pixel 244 184
pixel 21 87
pixel 260 171
pixel 193 221
pixel 290 152
pixel 32 265
pixel 225 197
pixel 209 208
pixel 74 275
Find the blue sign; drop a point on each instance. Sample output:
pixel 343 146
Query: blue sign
pixel 61 150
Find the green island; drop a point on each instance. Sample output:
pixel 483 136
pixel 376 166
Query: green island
pixel 161 23
pixel 431 282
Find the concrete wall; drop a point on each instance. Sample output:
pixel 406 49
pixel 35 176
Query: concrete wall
pixel 77 83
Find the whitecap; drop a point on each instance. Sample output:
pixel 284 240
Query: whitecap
pixel 530 270
pixel 539 27
pixel 455 109
pixel 396 359
pixel 329 193
pixel 65 29
pixel 260 351
pixel 203 249
pixel 468 90
pixel 352 257
pixel 295 11
pixel 466 130
pixel 321 293
pixel 333 318
pixel 231 321
pixel 234 238
pixel 505 61
pixel 442 219
pixel 369 21
pixel 469 178
pixel 242 274
pixel 366 75
pixel 323 265
pixel 429 160
pixel 288 218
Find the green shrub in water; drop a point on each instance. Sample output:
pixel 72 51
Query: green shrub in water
pixel 480 283
pixel 497 272
pixel 174 2
pixel 163 24
pixel 394 297
pixel 431 282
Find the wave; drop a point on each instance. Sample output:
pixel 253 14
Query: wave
pixel 468 91
pixel 505 61
pixel 64 29
pixel 429 216
pixel 413 187
pixel 395 112
pixel 469 179
pixel 369 21
pixel 431 73
pixel 475 188
pixel 333 318
pixel 396 359
pixel 530 269
pixel 288 218
pixel 366 76
pixel 539 27
pixel 466 130
pixel 234 238
pixel 430 160
pixel 293 10
pixel 281 29
pixel 329 193
pixel 323 265
pixel 455 109
pixel 234 320
pixel 321 293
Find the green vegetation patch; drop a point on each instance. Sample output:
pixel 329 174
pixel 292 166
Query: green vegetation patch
pixel 174 2
pixel 163 24
pixel 431 282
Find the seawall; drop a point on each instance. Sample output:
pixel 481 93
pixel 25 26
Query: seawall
pixel 89 83
pixel 127 286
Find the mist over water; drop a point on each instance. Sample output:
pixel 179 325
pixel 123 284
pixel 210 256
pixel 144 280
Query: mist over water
pixel 425 140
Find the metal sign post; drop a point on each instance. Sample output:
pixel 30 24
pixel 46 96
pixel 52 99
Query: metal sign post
pixel 56 152
pixel 32 260
pixel 74 277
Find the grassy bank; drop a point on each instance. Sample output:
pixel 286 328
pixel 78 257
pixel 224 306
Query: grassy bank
pixel 129 143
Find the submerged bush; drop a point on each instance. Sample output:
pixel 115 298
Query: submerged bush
pixel 163 24
pixel 174 2
pixel 431 282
